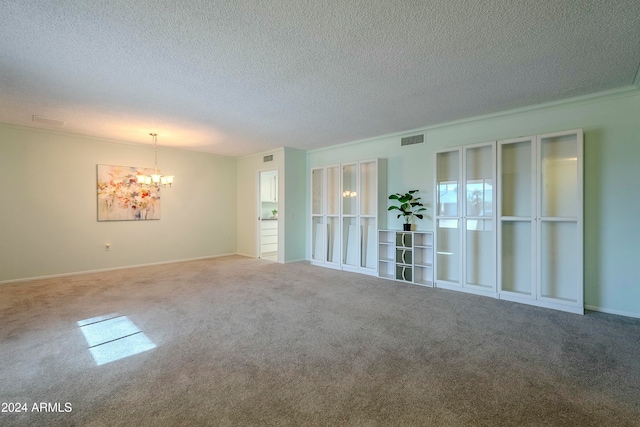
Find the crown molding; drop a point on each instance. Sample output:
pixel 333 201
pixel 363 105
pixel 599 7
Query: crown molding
pixel 102 140
pixel 553 105
pixel 263 153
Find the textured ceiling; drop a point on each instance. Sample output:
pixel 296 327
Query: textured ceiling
pixel 240 77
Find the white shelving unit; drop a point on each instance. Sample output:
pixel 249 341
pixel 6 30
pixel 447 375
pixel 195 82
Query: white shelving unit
pixel 346 214
pixel 325 216
pixel 387 254
pixel 509 220
pixel 423 258
pixel 465 219
pixel 406 256
pixel 540 232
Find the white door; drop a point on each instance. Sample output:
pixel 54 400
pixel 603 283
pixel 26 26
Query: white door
pixel 268 215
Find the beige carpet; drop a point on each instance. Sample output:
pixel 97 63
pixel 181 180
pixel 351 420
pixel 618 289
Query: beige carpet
pixel 250 342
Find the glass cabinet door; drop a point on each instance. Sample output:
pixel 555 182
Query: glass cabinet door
pixel 317 194
pixel 559 177
pixel 447 180
pixel 349 189
pixel 559 205
pixel 448 216
pixel 369 240
pixel 333 239
pixel 333 214
pixel 333 190
pixel 517 216
pixel 350 241
pixel 479 233
pixel 367 196
pixel 448 250
pixel 317 238
pixel 368 192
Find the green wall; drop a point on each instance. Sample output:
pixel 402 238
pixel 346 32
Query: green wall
pixel 248 210
pixel 290 164
pixel 611 124
pixel 48 208
pixel 296 190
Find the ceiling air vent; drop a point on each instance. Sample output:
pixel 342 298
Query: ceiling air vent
pixel 268 158
pixel 45 121
pixel 410 140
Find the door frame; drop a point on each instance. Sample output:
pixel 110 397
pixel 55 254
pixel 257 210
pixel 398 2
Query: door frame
pixel 258 211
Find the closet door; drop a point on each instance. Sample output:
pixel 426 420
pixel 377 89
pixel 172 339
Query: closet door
pixel 479 235
pixel 517 217
pixel 560 192
pixel 448 217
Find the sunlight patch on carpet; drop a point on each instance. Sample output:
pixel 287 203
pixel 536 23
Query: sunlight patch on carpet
pixel 113 337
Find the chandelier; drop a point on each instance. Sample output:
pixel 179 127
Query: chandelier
pixel 155 179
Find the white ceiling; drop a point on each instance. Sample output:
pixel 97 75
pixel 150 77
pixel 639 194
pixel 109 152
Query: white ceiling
pixel 245 76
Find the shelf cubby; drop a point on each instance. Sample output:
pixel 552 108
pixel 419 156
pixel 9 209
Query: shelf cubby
pixel 406 256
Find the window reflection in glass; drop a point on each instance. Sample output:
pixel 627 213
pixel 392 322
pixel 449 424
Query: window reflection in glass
pixel 448 198
pixel 480 198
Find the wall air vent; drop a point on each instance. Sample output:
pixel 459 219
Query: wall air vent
pixel 268 158
pixel 410 140
pixel 45 121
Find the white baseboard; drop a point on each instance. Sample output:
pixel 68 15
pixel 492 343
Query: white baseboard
pixel 609 311
pixel 102 270
pixel 247 255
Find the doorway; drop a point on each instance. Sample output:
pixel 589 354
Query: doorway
pixel 268 215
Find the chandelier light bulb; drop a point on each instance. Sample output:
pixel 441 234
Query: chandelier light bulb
pixel 155 179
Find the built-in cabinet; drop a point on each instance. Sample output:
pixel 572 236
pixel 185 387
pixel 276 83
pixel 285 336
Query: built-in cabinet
pixel 346 212
pixel 540 231
pixel 509 220
pixel 269 187
pixel 268 237
pixel 325 216
pixel 465 218
pixel 406 256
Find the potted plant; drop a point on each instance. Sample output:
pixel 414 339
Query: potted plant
pixel 274 213
pixel 410 206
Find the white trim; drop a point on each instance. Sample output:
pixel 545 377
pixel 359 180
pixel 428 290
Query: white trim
pixel 112 141
pixel 610 311
pixel 451 286
pixel 102 270
pixel 294 260
pixel 263 153
pixel 246 255
pixel 543 304
pixel 467 290
pixel 258 214
pixel 563 103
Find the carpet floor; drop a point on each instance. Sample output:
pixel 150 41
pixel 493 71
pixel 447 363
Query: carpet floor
pixel 239 341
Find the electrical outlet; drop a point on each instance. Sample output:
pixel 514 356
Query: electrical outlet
pixel 107 247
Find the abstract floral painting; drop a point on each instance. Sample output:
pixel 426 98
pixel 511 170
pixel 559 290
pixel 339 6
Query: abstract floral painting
pixel 121 198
